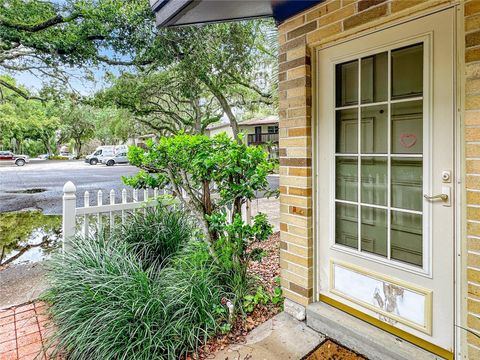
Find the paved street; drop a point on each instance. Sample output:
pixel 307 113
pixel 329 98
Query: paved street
pixel 48 177
pixel 51 176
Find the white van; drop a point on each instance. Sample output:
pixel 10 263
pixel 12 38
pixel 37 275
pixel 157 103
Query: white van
pixel 103 152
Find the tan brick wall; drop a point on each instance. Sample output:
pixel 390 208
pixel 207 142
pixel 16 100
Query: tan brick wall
pixel 321 24
pixel 472 170
pixel 324 23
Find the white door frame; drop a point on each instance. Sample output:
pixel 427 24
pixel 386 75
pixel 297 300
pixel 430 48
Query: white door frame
pixel 459 161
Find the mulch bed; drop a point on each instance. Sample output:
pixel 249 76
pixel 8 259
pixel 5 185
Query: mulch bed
pixel 330 350
pixel 267 270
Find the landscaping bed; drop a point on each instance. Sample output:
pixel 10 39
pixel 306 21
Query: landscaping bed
pixel 267 270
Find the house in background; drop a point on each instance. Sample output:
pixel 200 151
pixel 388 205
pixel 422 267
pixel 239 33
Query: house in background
pixel 262 131
pixel 379 166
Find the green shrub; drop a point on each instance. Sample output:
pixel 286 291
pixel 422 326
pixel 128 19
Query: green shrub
pixel 157 234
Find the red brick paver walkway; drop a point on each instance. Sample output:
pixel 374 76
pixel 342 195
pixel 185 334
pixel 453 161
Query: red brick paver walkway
pixel 23 332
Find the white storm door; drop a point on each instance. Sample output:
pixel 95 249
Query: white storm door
pixel 385 140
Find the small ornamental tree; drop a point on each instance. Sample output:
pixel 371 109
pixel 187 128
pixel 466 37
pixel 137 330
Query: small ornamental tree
pixel 207 175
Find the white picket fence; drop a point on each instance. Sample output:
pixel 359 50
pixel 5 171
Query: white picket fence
pixel 71 212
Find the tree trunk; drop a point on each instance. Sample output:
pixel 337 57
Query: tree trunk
pixel 226 108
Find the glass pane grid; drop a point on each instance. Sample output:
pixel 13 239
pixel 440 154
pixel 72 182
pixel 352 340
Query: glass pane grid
pixel 389 223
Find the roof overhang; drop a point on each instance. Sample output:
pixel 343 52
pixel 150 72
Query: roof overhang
pixel 190 12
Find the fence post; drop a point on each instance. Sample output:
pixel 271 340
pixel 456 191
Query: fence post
pixel 68 214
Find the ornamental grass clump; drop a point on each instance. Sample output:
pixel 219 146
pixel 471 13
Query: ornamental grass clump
pixel 156 234
pixel 107 304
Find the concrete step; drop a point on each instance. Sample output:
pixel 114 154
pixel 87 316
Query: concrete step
pixel 361 337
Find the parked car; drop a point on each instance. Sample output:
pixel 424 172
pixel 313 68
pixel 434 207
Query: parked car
pixel 103 152
pixel 44 156
pixel 18 160
pixel 120 158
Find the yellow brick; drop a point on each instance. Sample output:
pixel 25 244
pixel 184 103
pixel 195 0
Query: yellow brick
pixel 300 152
pixel 472 117
pixel 473 198
pixel 473 322
pixel 303 261
pixel 473 244
pixel 472 134
pixel 472 23
pixel 472 150
pixel 295 122
pixel 474 291
pixel 472 86
pixel 305 182
pixel 283 170
pixel 294 239
pixel 298 92
pixel 298 72
pixel 473 182
pixel 298 141
pixel 304 232
pixel 295 297
pixel 290 276
pixel 300 171
pixel 473 213
pixel 302 112
pixel 473 275
pixel 282 39
pixel 472 7
pixel 472 70
pixel 473 166
pixel 296 102
pixel 291 24
pixel 323 9
pixel 473 340
pixel 283 209
pixel 335 16
pixel 300 250
pixel 473 352
pixel 398 5
pixel 296 53
pixel 296 200
pixel 297 220
pixel 306 272
pixel 472 102
pixel 324 32
pixel 473 306
pixel 473 260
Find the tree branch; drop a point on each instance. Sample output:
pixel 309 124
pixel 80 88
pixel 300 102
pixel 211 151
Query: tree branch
pixel 57 19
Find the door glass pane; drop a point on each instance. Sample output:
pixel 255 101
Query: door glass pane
pixel 374 230
pixel 407 175
pixel 347 131
pixel 346 228
pixel 346 83
pixel 407 72
pixel 374 131
pixel 406 237
pixel 374 78
pixel 346 182
pixel 407 127
pixel 374 180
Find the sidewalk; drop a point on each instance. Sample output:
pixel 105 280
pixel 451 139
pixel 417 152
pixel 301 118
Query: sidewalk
pixel 24 331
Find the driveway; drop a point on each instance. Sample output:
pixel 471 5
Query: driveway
pixel 39 184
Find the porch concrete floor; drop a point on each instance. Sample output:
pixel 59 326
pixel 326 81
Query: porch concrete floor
pixel 280 338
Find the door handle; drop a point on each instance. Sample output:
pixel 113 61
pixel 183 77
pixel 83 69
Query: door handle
pixel 443 197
